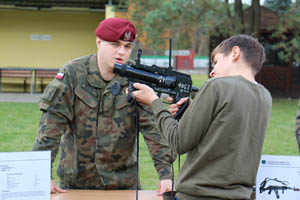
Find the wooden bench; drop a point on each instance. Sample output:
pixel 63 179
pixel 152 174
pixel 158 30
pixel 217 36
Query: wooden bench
pixel 28 73
pixel 15 73
pixel 45 74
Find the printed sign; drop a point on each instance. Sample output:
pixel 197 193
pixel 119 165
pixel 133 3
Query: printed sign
pixel 25 175
pixel 278 177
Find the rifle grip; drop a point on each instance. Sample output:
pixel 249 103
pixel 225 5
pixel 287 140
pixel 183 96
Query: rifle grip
pixel 182 109
pixel 130 98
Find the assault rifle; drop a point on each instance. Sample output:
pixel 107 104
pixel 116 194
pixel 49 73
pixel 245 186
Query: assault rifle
pixel 275 188
pixel 163 80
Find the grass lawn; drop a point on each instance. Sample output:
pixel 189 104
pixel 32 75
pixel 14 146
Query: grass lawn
pixel 19 122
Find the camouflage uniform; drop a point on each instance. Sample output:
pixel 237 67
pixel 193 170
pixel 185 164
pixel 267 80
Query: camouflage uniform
pixel 97 128
pixel 297 127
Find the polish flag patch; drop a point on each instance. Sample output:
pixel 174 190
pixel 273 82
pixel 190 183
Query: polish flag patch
pixel 60 75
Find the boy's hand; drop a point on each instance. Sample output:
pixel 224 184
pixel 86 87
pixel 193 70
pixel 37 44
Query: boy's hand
pixel 173 108
pixel 144 94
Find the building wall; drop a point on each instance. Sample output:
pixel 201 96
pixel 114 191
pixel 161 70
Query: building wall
pixel 46 39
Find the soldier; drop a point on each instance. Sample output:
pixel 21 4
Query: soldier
pixel 85 112
pixel 297 127
pixel 223 129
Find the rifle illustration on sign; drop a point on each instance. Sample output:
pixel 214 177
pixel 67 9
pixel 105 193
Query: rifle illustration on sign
pixel 283 185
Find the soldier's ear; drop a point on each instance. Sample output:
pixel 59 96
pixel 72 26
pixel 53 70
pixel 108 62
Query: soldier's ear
pixel 98 41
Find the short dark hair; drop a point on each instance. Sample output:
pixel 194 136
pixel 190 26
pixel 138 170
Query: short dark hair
pixel 252 50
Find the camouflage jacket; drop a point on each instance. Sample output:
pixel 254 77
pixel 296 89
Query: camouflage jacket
pixel 297 127
pixel 98 143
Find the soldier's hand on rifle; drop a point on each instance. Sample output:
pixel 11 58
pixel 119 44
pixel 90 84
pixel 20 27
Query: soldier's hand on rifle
pixel 164 186
pixel 144 94
pixel 173 108
pixel 55 188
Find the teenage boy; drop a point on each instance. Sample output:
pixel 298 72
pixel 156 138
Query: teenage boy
pixel 223 129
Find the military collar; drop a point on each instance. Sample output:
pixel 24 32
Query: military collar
pixel 94 78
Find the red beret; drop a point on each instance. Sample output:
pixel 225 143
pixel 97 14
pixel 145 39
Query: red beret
pixel 113 29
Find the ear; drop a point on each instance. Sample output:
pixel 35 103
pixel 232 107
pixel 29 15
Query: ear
pixel 212 74
pixel 236 53
pixel 98 41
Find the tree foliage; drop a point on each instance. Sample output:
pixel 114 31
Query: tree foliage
pixel 287 31
pixel 278 5
pixel 191 22
pixel 187 21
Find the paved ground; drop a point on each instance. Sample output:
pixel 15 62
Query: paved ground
pixel 20 97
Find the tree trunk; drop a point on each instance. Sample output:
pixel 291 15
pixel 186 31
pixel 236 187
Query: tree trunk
pixel 229 17
pixel 227 8
pixel 256 17
pixel 203 39
pixel 194 40
pixel 239 16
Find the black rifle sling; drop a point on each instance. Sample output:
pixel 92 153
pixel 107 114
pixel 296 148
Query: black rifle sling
pixel 137 130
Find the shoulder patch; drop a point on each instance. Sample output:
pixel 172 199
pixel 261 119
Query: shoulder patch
pixel 60 75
